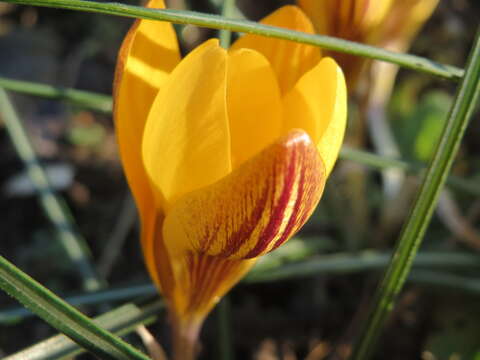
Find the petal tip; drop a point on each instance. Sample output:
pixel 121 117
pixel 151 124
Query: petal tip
pixel 297 137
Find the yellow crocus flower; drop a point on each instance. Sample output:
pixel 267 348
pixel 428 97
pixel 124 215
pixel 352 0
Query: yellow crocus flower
pixel 386 23
pixel 226 152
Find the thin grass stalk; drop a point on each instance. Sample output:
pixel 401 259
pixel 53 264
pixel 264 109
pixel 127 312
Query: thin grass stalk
pixel 423 207
pixel 121 321
pixel 218 22
pixel 54 207
pixel 227 12
pixel 64 317
pixel 85 99
pixel 225 347
pixel 337 264
pixel 103 103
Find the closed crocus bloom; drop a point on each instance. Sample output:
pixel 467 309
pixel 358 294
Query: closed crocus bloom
pixel 226 151
pixel 385 23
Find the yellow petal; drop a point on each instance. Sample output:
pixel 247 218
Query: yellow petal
pixel 186 143
pixel 255 209
pixel 349 19
pixel 254 105
pixel 289 59
pixel 318 105
pixel 201 281
pixel 403 23
pixel 148 54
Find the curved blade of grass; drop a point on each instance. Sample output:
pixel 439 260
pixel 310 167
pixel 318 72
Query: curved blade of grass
pixel 363 261
pixel 98 297
pixel 54 207
pixel 85 99
pixel 244 26
pixel 64 317
pixel 227 12
pixel 120 321
pixel 103 103
pixel 273 268
pixel 425 203
pixel 443 279
pixel 379 162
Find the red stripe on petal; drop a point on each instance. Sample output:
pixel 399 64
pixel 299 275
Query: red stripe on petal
pixel 257 207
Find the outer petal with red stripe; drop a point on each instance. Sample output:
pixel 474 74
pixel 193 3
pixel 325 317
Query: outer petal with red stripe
pixel 250 212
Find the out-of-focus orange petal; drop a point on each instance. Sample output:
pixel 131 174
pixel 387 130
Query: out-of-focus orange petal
pixel 148 54
pixel 186 142
pixel 318 105
pixel 256 208
pixel 350 19
pixel 289 59
pixel 254 105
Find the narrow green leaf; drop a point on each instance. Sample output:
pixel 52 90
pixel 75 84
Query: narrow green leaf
pixel 425 203
pixel 64 317
pixel 363 261
pixel 85 99
pixel 101 102
pixel 379 162
pixel 224 332
pixel 54 207
pixel 443 279
pixel 244 26
pixel 97 297
pixel 227 12
pixel 120 321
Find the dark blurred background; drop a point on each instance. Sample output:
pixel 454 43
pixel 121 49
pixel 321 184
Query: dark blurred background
pixel 277 320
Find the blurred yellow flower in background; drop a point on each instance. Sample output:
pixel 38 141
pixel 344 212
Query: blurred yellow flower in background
pixel 226 152
pixel 391 24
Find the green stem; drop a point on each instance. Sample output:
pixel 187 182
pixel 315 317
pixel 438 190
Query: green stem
pixel 281 270
pixel 103 103
pixel 75 246
pixel 121 321
pixel 380 162
pixel 89 100
pixel 185 334
pixel 224 336
pixel 227 12
pixel 423 208
pixel 218 22
pixel 63 317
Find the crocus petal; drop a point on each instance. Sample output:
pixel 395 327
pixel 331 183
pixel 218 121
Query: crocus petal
pixel 403 23
pixel 350 19
pixel 289 59
pixel 186 143
pixel 254 105
pixel 202 280
pixel 148 54
pixel 256 208
pixel 318 105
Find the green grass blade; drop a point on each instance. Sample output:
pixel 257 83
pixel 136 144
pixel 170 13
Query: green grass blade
pixel 99 102
pixel 120 321
pixel 443 279
pixel 244 26
pixel 64 317
pixel 354 263
pixel 84 99
pixel 103 103
pixel 380 162
pixel 54 207
pixel 227 12
pixel 419 218
pixel 279 269
pixel 224 331
pixel 337 264
pixel 91 298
